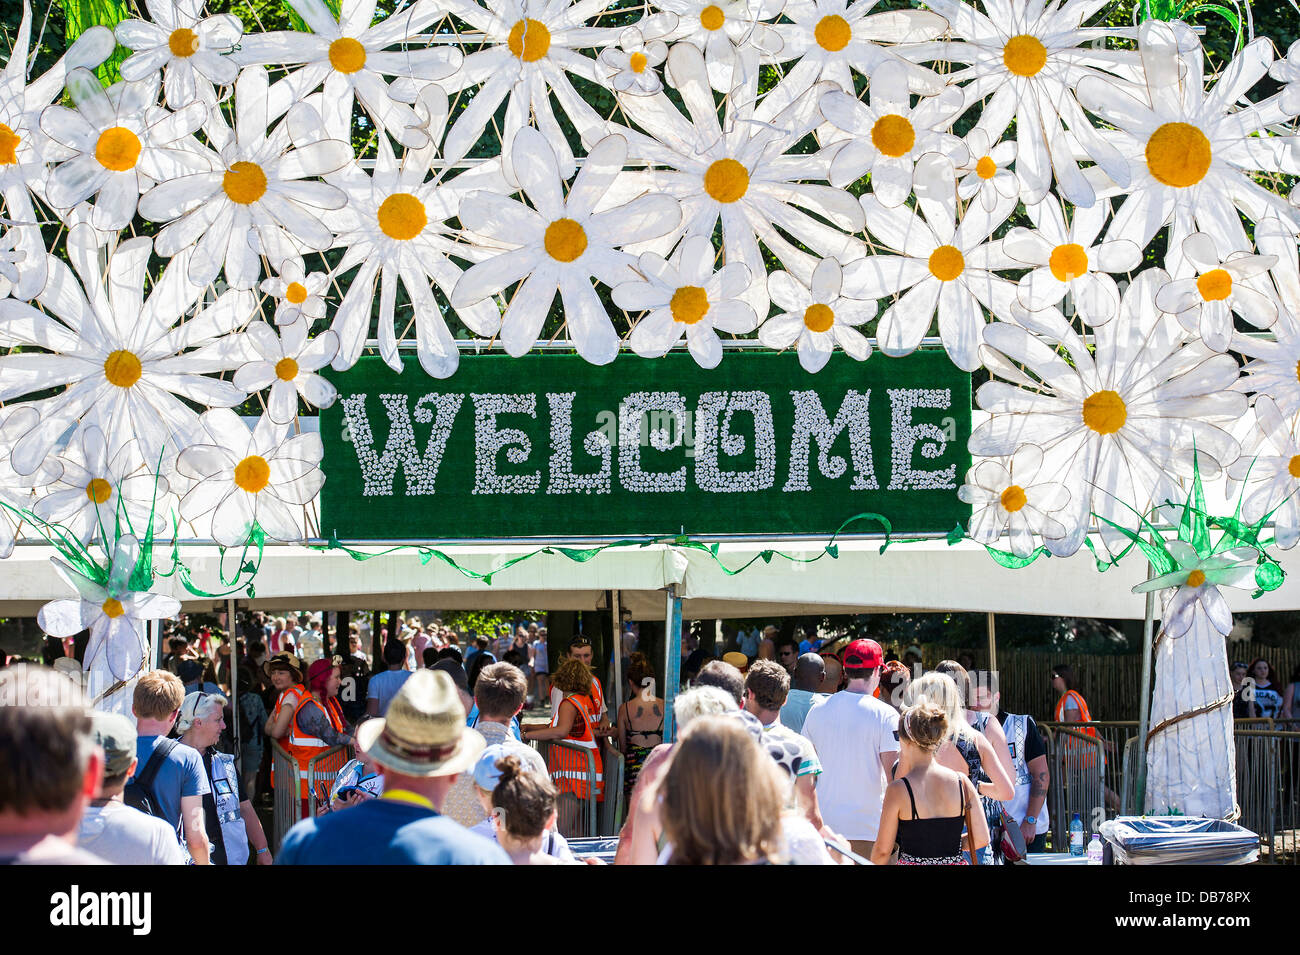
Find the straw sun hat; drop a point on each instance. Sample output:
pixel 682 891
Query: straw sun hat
pixel 423 733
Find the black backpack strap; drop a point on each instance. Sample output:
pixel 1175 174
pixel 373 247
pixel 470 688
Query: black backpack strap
pixel 159 756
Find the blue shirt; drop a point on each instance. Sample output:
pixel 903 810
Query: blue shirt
pixel 386 832
pixel 181 774
pixel 472 720
pixel 797 704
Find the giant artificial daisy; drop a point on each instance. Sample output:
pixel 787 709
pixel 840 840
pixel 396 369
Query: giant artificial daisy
pixel 633 65
pixel 1026 58
pixel 288 363
pixel 986 174
pixel 191 50
pixel 740 172
pixel 1198 579
pixel 123 362
pixel 816 317
pixel 1119 425
pixel 560 242
pixel 297 294
pixel 122 142
pixel 1274 365
pixel 1192 153
pixel 259 197
pixel 1205 304
pixel 16 489
pixel 1068 259
pixel 886 136
pixel 262 477
pixel 348 58
pixel 1287 72
pixel 394 227
pixel 730 34
pixel 944 268
pixel 1014 496
pixel 683 297
pixel 22 270
pixel 1272 474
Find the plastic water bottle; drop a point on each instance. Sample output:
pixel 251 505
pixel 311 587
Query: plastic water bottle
pixel 1076 835
pixel 1094 850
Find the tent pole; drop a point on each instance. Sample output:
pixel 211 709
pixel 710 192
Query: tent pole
pixel 617 650
pixel 234 678
pixel 993 643
pixel 672 658
pixel 1144 704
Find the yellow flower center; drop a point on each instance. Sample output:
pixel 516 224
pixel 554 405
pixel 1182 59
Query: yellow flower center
pixel 1178 155
pixel 689 304
pixel 1293 466
pixel 295 293
pixel 347 55
pixel 9 141
pixel 818 318
pixel 117 149
pixel 252 474
pixel 1104 412
pixel 1196 578
pixel 286 369
pixel 1013 498
pixel 712 18
pixel 726 180
pixel 986 168
pixel 244 183
pixel 1215 285
pixel 183 42
pixel 529 40
pixel 946 263
pixel 99 490
pixel 1068 261
pixel 1024 55
pixel 1297 371
pixel 565 240
pixel 893 135
pixel 832 33
pixel 637 62
pixel 112 608
pixel 122 368
pixel 402 216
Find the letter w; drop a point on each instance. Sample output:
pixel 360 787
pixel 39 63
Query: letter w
pixel 421 471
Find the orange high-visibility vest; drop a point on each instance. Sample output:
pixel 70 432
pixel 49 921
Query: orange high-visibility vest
pixel 289 697
pixel 569 769
pixel 305 748
pixel 1086 755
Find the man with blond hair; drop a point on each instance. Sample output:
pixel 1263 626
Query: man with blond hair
pixel 172 772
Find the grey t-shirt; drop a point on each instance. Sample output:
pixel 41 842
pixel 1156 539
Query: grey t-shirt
pixel 182 774
pixel 384 686
pixel 122 835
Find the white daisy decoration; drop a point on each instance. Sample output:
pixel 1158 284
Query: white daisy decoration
pixel 633 65
pixel 243 478
pixel 347 58
pixel 1287 72
pixel 1119 425
pixel 22 269
pixel 103 494
pixel 1014 497
pixel 114 614
pixel 1224 286
pixel 731 35
pixel 16 490
pixel 1067 259
pixel 1026 58
pixel 1198 580
pixel 987 172
pixel 1274 365
pixel 192 51
pixel 1272 474
pixel 886 136
pixel 298 294
pixel 259 198
pixel 529 48
pixel 288 363
pixel 123 362
pixel 816 316
pixel 740 172
pixel 123 143
pixel 562 242
pixel 1192 154
pixel 684 297
pixel 944 268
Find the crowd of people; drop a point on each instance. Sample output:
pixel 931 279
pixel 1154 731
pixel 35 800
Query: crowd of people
pixel 799 753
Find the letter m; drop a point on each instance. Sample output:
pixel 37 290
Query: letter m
pixel 378 469
pixel 811 422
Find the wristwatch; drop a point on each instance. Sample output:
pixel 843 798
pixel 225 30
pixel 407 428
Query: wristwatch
pixel 1032 820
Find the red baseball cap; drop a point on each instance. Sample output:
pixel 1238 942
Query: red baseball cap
pixel 862 655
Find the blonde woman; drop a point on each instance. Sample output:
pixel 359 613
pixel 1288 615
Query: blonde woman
pixel 925 809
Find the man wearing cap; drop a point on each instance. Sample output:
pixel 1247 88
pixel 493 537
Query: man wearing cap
pixel 856 738
pixel 420 746
pixel 110 829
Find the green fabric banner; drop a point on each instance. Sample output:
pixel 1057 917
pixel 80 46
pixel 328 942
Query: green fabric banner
pixel 550 446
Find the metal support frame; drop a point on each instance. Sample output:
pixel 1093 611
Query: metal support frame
pixel 617 650
pixel 1144 703
pixel 673 659
pixel 993 644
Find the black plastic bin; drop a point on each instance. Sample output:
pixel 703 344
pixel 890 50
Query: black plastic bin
pixel 1177 840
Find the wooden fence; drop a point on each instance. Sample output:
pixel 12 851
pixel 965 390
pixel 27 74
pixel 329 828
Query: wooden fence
pixel 1110 683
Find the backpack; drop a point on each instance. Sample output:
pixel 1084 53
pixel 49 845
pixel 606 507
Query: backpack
pixel 139 793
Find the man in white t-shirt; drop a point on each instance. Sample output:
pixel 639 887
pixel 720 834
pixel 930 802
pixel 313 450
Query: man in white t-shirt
pixel 580 649
pixel 856 738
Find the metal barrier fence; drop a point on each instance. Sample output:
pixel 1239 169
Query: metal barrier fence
pixel 577 818
pixel 1268 791
pixel 321 770
pixel 1077 763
